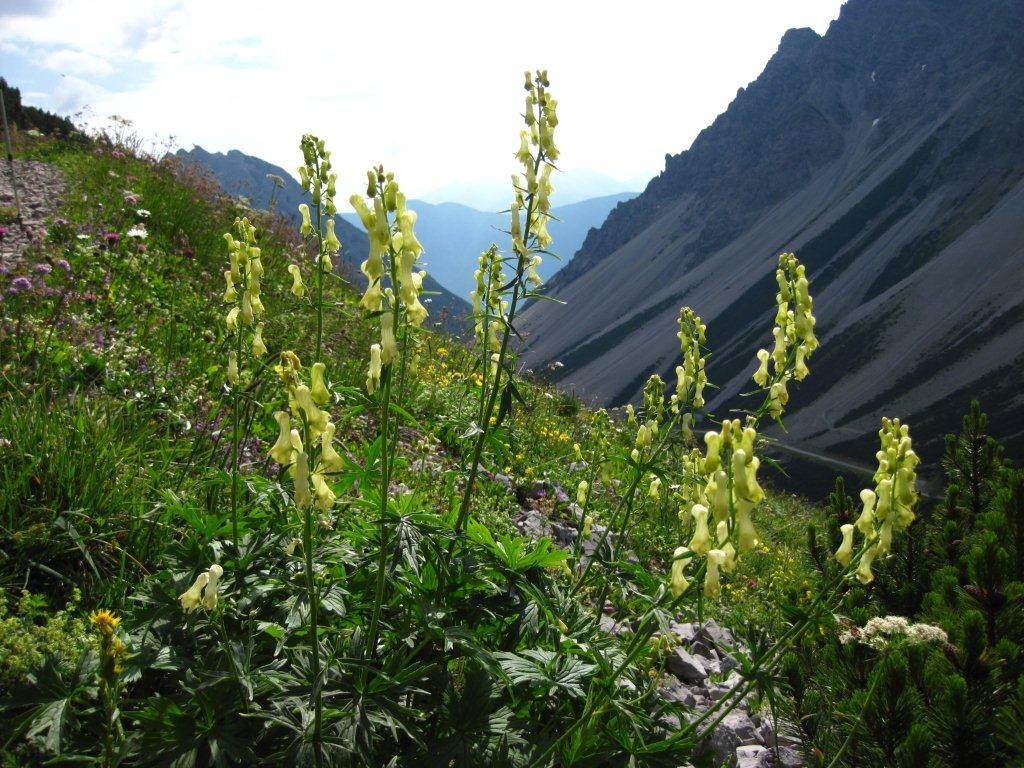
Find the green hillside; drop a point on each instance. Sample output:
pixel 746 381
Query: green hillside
pixel 249 516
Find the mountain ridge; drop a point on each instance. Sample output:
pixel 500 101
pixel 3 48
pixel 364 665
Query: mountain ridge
pixel 241 174
pixel 875 152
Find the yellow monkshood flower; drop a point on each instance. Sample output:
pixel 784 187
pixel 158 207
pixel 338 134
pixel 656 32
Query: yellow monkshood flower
pixel 888 509
pixel 318 389
pixel 373 374
pixel 793 334
pixel 331 242
pixel 581 493
pixel 701 540
pixel 259 349
pixel 281 452
pixel 303 497
pixel 210 593
pixel 330 460
pixel 712 578
pixel 191 597
pixel 678 582
pixel 298 289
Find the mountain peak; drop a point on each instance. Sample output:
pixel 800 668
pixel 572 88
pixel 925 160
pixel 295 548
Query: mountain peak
pixel 877 153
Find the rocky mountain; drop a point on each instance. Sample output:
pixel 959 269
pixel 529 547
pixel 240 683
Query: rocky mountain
pixel 242 174
pixel 888 154
pixel 454 235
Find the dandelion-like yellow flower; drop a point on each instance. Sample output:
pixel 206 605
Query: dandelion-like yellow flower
pixel 105 621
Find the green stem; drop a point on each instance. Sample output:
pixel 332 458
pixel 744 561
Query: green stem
pixel 314 635
pixel 485 425
pixel 385 479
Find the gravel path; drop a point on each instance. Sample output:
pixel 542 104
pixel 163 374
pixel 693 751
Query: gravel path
pixel 41 189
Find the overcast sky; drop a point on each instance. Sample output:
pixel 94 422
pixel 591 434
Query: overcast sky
pixel 431 89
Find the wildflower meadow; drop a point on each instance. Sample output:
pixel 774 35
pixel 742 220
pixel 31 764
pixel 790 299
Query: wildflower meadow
pixel 254 514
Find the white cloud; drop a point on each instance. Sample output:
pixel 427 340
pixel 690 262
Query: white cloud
pixel 432 90
pixel 85 64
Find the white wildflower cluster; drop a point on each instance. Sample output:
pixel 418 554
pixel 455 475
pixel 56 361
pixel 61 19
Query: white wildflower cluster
pixel 889 508
pixel 393 252
pixel 882 631
pixel 793 332
pixel 720 495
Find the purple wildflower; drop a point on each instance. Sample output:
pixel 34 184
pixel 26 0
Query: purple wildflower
pixel 42 269
pixel 131 199
pixel 112 237
pixel 4 231
pixel 20 284
pixel 63 264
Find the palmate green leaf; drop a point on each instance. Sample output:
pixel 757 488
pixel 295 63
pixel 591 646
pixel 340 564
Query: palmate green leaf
pixel 552 671
pixel 517 553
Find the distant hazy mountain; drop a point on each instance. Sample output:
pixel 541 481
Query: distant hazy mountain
pixel 493 195
pixel 241 174
pixel 454 235
pixel 889 155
